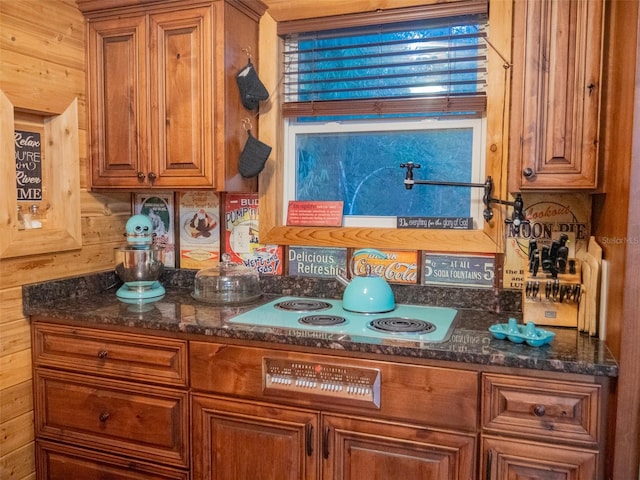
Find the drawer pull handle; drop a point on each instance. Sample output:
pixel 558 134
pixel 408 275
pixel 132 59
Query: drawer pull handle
pixel 102 354
pixel 103 417
pixel 539 410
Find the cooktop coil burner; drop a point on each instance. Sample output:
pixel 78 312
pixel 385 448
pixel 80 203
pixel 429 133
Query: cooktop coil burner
pixel 303 305
pixel 401 325
pixel 320 320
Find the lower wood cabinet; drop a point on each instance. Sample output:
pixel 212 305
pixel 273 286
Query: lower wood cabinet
pixel 360 448
pixel 542 429
pixel 63 462
pixel 512 459
pixel 112 405
pixel 249 440
pixel 109 405
pixel 233 439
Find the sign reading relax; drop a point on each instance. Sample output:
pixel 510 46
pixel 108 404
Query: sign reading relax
pixel 28 165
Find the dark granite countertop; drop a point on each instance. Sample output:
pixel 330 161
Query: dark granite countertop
pixel 92 300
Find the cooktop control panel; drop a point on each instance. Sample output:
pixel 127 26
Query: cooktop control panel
pixel 344 384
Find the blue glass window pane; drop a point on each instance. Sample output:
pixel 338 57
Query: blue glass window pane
pixel 363 170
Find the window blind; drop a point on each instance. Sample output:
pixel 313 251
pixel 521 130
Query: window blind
pixel 432 65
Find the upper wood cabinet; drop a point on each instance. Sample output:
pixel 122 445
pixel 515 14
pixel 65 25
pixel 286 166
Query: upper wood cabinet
pixel 556 90
pixel 164 105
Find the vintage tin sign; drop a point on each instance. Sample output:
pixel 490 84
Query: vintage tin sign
pixel 549 216
pixel 399 266
pixel 459 270
pixel 241 223
pixel 316 261
pixel 199 229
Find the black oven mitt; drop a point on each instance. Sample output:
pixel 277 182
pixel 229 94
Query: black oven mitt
pixel 253 156
pixel 252 90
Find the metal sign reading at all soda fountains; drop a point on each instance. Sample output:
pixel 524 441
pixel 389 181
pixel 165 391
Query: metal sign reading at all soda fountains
pixel 459 270
pixel 28 165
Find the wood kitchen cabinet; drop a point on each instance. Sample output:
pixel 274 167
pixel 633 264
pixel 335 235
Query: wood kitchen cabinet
pixel 238 439
pixel 542 429
pixel 245 426
pixel 556 90
pixel 106 401
pixel 164 106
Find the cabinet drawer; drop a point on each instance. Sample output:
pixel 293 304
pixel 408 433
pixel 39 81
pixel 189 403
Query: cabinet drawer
pixel 545 409
pixel 115 354
pixel 126 418
pixel 420 394
pixel 63 462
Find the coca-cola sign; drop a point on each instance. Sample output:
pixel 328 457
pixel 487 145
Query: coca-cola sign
pixel 28 149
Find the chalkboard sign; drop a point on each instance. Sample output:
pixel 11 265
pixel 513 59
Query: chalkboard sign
pixel 28 165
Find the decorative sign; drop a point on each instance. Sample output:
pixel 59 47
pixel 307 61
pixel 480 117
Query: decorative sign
pixel 158 206
pixel 471 271
pixel 397 267
pixel 439 223
pixel 549 216
pixel 241 222
pixel 28 165
pixel 314 214
pixel 199 229
pixel 316 261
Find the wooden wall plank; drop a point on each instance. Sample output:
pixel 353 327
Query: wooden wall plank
pixel 16 433
pixel 19 464
pixel 16 400
pixel 40 268
pixel 10 305
pixel 15 368
pixel 15 336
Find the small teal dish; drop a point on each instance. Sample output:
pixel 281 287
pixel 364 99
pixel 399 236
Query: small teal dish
pixel 529 333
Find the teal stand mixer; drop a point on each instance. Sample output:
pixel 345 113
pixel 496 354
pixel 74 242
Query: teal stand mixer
pixel 140 263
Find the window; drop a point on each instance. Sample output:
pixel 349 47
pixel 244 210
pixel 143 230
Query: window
pixel 359 163
pixel 361 100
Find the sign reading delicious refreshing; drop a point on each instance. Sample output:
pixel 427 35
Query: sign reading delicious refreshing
pixel 28 165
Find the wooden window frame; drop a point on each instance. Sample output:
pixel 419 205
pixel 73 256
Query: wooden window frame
pixel 489 239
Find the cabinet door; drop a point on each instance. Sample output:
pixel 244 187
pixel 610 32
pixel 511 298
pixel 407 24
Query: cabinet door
pixel 116 94
pixel 509 459
pixel 556 94
pixel 375 450
pixel 238 440
pixel 181 98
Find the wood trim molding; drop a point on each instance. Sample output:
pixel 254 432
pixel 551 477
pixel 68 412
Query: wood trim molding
pixel 406 14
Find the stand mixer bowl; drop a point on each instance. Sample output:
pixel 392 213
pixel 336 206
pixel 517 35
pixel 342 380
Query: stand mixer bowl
pixel 139 268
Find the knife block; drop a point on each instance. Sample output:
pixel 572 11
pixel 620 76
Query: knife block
pixel 551 311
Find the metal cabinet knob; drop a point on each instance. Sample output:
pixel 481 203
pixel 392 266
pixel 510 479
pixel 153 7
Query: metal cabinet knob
pixel 152 177
pixel 103 417
pixel 539 410
pixel 528 172
pixel 141 176
pixel 102 354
